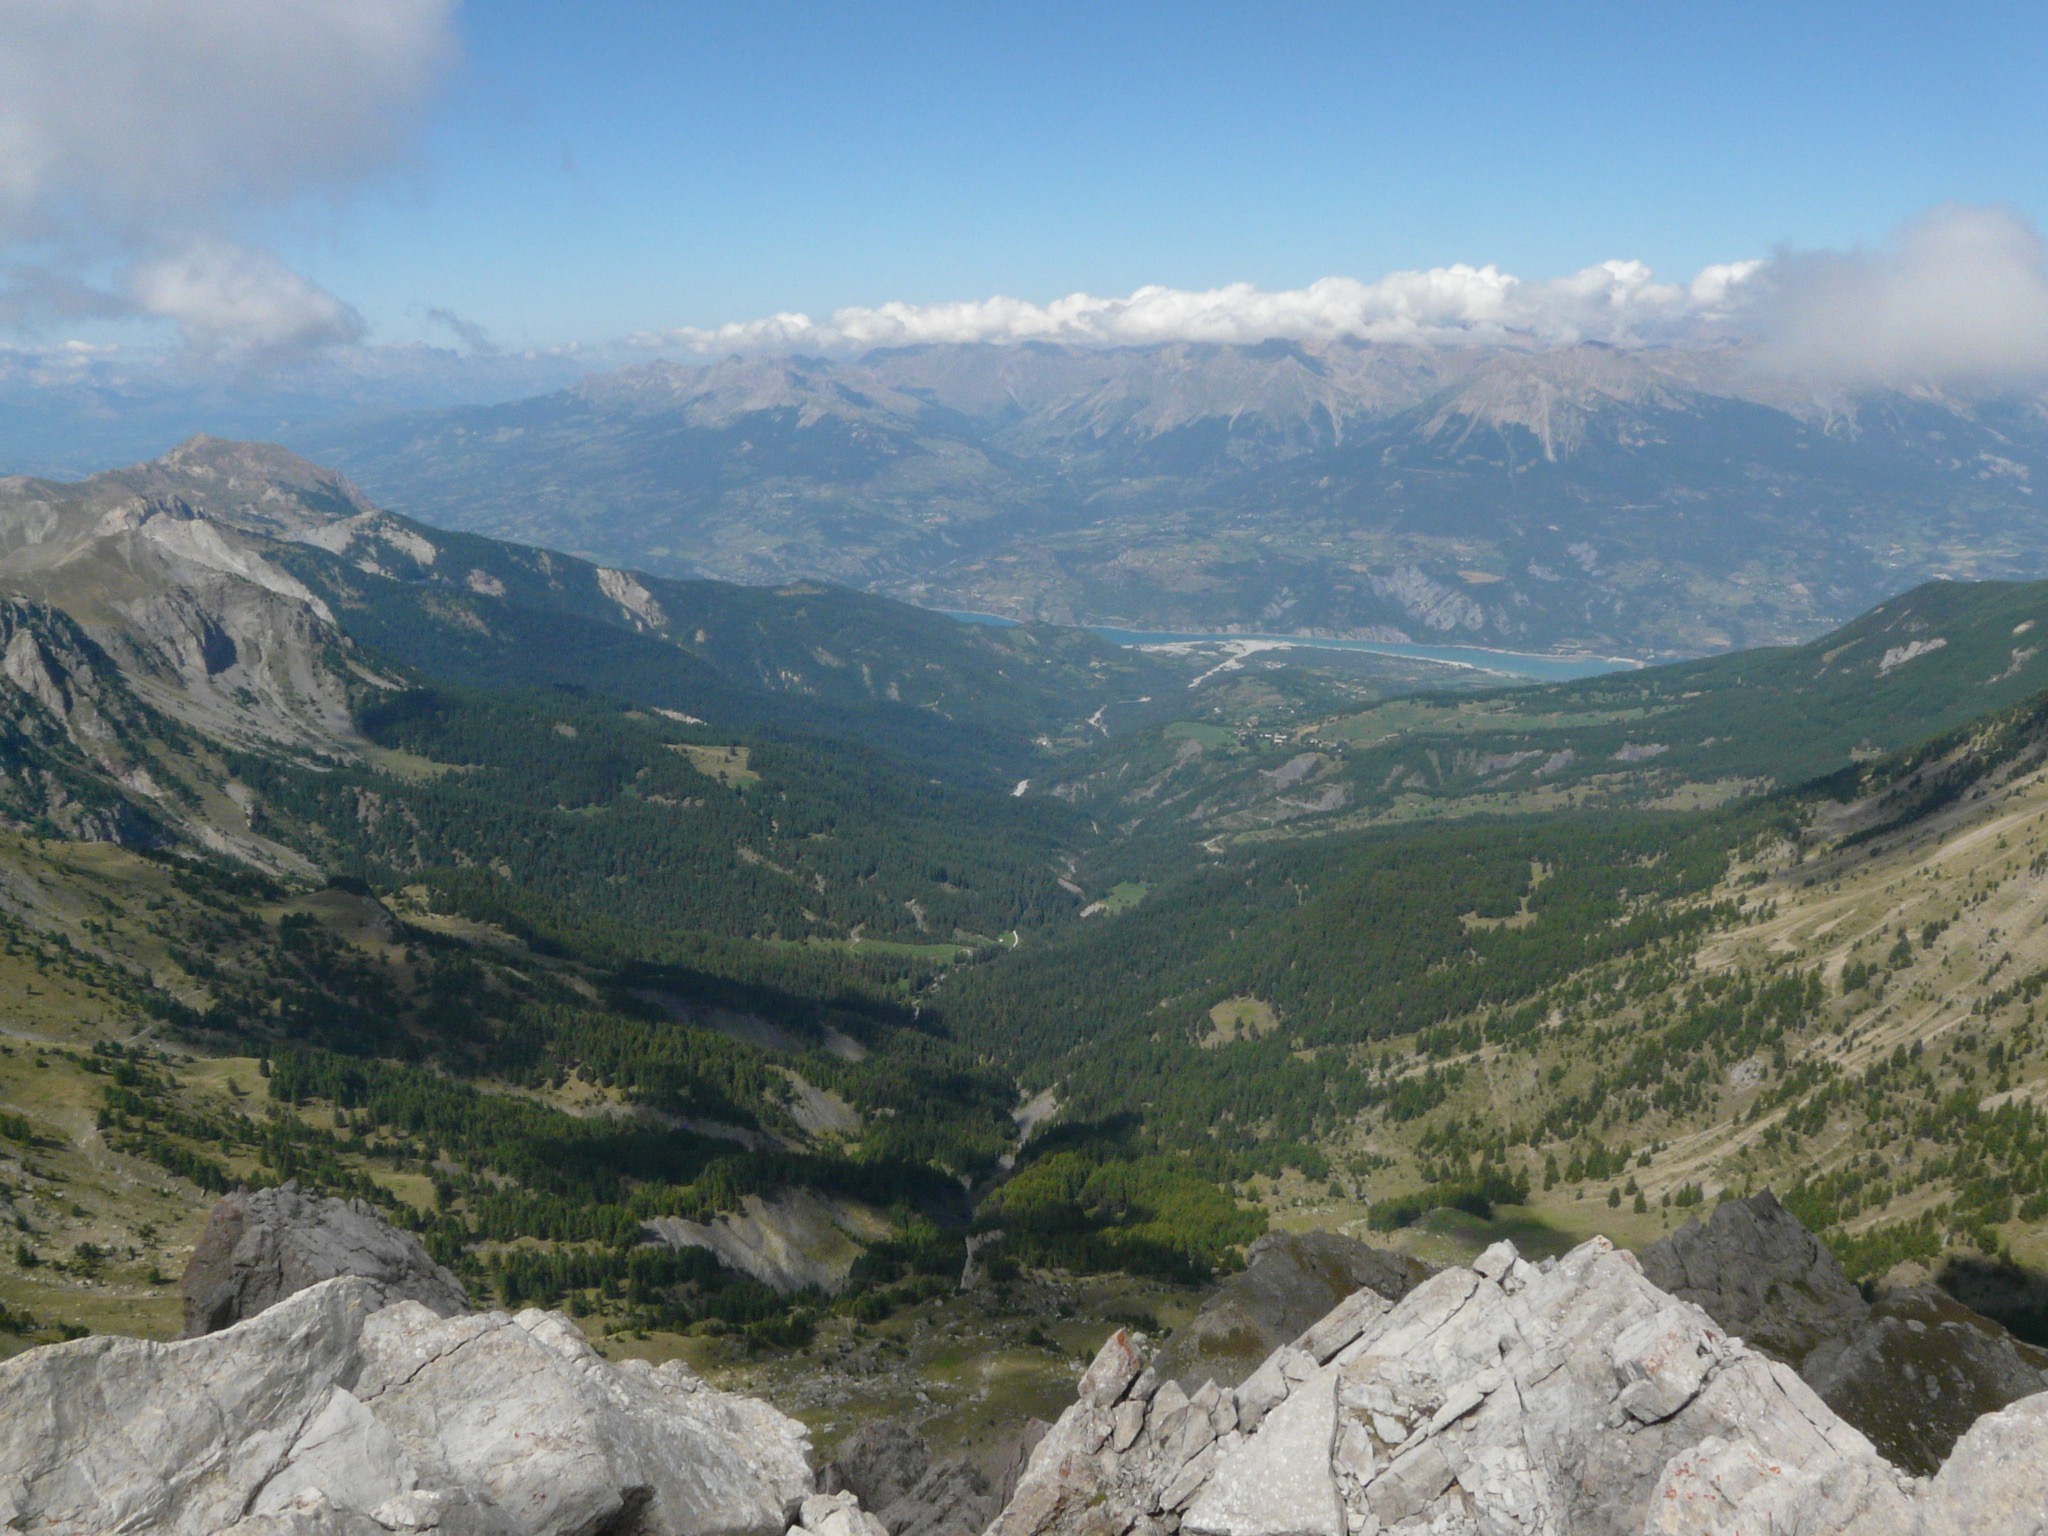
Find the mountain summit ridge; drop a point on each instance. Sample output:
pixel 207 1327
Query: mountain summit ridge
pixel 1655 502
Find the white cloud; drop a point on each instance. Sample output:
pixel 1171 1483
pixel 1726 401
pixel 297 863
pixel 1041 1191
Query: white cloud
pixel 142 131
pixel 125 114
pixel 1959 294
pixel 1719 285
pixel 224 296
pixel 1617 301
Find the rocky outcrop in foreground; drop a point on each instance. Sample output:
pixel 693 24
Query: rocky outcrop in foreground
pixel 1567 1398
pixel 328 1416
pixel 259 1248
pixel 1913 1368
pixel 1289 1280
pixel 1570 1398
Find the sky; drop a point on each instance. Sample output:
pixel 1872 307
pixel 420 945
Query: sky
pixel 263 180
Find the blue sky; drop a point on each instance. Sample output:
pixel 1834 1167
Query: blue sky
pixel 349 171
pixel 605 168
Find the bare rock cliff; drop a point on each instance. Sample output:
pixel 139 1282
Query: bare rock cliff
pixel 1756 1270
pixel 1567 1398
pixel 890 1469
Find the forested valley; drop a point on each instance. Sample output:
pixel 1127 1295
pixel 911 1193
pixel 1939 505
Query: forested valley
pixel 603 918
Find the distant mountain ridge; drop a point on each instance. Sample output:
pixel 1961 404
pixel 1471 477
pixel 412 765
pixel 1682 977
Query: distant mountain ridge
pixel 1656 502
pixel 168 566
pixel 231 651
pixel 228 581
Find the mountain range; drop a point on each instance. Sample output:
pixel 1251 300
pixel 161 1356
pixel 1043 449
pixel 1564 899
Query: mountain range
pixel 1651 502
pixel 731 965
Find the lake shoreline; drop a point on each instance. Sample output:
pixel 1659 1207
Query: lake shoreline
pixel 1540 666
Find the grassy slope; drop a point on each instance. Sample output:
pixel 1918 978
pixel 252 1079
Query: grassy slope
pixel 1748 720
pixel 1961 883
pixel 1691 736
pixel 81 918
pixel 71 945
pixel 96 942
pixel 1809 907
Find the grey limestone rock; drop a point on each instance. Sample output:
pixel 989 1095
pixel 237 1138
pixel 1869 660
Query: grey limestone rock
pixel 259 1248
pixel 1035 1431
pixel 835 1514
pixel 952 1499
pixel 1572 1398
pixel 1912 1369
pixel 1760 1274
pixel 326 1414
pixel 1995 1482
pixel 1919 1370
pixel 1279 1483
pixel 1290 1279
pixel 879 1464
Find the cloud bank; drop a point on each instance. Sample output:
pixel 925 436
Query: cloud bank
pixel 136 135
pixel 1958 294
pixel 1617 301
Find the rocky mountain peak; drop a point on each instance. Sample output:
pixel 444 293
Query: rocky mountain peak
pixel 1757 1271
pixel 1571 1397
pixel 260 1248
pixel 725 394
pixel 1577 489
pixel 1913 1368
pixel 327 1415
pixel 172 568
pixel 66 720
pixel 1290 1280
pixel 260 487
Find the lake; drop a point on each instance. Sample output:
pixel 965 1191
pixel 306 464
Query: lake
pixel 1527 664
